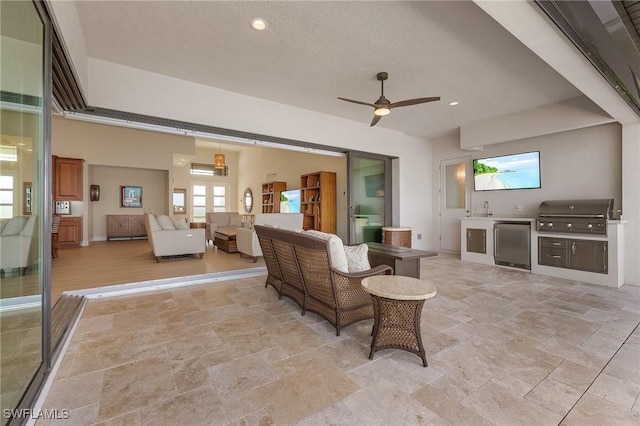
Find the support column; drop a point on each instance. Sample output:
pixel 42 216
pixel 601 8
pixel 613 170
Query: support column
pixel 631 201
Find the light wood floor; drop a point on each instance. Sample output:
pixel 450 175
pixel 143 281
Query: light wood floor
pixel 119 262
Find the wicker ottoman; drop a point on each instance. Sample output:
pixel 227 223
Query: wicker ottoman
pixel 397 308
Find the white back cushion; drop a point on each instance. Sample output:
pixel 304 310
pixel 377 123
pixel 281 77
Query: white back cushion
pixel 284 220
pixel 181 223
pixel 336 249
pixel 165 222
pixel 14 225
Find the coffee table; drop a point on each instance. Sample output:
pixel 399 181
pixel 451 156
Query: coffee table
pixel 226 241
pixel 397 308
pixel 404 261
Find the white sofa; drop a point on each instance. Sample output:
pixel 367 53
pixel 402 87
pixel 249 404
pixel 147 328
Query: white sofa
pixel 16 235
pixel 173 241
pixel 247 240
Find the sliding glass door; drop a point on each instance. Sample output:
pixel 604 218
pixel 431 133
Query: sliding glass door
pixel 24 260
pixel 369 196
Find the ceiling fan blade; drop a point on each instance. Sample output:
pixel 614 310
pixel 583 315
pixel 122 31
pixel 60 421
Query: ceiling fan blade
pixel 375 120
pixel 414 102
pixel 357 102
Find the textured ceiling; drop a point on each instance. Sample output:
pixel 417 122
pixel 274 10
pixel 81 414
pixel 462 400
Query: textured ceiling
pixel 313 52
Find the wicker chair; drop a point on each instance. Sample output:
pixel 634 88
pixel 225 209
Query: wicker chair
pixel 304 264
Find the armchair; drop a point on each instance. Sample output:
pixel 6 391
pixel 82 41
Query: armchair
pixel 216 220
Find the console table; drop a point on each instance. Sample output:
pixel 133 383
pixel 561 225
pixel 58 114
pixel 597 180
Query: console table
pixel 404 261
pixel 125 226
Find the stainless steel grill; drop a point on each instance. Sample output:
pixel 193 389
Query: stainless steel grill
pixel 575 216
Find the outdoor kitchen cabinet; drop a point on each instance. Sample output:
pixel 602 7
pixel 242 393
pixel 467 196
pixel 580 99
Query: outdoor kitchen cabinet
pixel 578 254
pixel 476 240
pixel 588 255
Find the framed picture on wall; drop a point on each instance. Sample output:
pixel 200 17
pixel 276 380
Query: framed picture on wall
pixel 130 196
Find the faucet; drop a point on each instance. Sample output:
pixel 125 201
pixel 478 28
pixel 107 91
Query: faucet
pixel 486 206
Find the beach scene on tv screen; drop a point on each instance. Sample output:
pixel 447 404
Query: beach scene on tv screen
pixel 518 171
pixel 290 201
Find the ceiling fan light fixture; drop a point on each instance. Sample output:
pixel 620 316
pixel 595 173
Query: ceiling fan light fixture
pixel 382 111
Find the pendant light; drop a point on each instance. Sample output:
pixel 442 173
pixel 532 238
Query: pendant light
pixel 218 160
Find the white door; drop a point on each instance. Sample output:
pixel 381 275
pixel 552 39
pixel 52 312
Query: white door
pixel 454 200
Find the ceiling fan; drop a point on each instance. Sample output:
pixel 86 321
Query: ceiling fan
pixel 383 106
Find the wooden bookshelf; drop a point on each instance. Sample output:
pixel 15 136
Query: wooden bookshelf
pixel 271 196
pixel 318 201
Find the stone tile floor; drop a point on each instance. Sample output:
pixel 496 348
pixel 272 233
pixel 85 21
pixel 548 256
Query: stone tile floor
pixel 504 347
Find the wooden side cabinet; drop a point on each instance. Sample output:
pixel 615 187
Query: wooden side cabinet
pixel 67 178
pixel 69 232
pixel 125 226
pixel 271 196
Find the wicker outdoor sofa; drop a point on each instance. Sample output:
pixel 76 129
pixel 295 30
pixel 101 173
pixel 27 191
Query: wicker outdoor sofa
pixel 299 267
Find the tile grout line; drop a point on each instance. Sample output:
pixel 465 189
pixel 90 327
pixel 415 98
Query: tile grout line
pixel 598 375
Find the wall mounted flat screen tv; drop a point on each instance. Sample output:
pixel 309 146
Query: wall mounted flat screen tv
pixel 290 201
pixel 515 171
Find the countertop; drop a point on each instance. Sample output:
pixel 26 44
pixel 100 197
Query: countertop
pixel 525 219
pixel 501 218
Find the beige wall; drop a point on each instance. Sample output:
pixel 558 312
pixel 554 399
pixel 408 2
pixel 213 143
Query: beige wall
pixel 154 185
pixel 287 166
pixel 183 179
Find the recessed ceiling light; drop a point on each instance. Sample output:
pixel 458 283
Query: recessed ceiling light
pixel 454 103
pixel 258 24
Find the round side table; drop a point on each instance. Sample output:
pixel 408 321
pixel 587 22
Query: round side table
pixel 397 308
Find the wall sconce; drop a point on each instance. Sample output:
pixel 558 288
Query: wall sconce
pixel 94 192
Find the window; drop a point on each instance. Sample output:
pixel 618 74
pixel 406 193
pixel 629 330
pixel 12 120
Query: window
pixel 8 153
pixel 179 201
pixel 219 198
pixel 199 203
pixel 209 197
pixel 6 197
pixel 208 170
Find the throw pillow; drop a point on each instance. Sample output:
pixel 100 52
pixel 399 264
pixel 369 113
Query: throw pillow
pixel 235 220
pixel 153 223
pixel 336 249
pixel 181 223
pixel 165 222
pixel 14 225
pixel 357 257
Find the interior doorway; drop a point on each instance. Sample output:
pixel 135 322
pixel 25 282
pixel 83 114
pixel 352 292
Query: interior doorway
pixel 454 200
pixel 369 186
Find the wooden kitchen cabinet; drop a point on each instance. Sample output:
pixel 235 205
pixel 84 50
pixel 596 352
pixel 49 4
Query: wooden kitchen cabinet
pixel 67 178
pixel 69 232
pixel 125 226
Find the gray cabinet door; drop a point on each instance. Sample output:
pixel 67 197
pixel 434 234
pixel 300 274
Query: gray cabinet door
pixel 477 240
pixel 588 255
